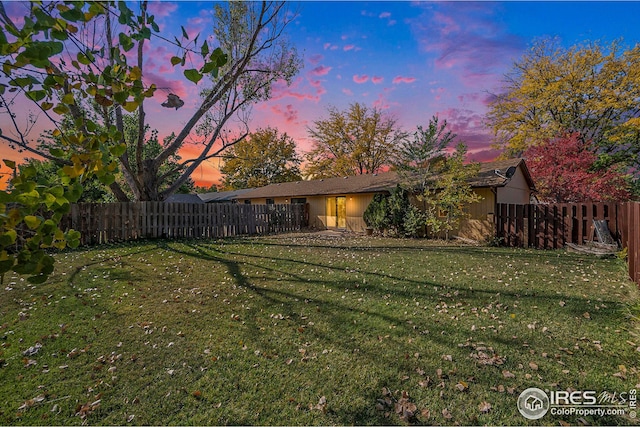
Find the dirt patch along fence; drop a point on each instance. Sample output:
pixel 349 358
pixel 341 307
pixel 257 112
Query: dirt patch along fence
pixel 552 226
pixel 118 222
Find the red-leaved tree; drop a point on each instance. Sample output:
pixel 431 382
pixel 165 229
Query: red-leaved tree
pixel 563 171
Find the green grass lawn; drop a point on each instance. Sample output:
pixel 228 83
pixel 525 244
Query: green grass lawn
pixel 313 330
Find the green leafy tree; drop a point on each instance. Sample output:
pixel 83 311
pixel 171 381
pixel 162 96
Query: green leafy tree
pixel 30 209
pixel 352 142
pixel 47 173
pixel 447 200
pixel 63 57
pixel 439 181
pixel 593 90
pixel 421 154
pixel 213 188
pixel 94 190
pixel 265 157
pixel 393 213
pixel 251 55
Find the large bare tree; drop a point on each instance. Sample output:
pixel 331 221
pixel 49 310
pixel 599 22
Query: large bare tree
pixel 251 54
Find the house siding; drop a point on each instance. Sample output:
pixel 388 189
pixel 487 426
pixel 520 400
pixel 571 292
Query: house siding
pixel 479 225
pixel 356 205
pixel 516 191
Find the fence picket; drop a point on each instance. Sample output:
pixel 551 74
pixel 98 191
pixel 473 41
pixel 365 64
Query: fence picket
pixel 553 226
pixel 110 222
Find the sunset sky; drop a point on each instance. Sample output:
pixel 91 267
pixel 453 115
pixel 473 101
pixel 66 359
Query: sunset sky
pixel 411 59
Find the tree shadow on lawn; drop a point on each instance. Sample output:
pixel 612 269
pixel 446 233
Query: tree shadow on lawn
pixel 360 341
pixel 234 267
pixel 421 290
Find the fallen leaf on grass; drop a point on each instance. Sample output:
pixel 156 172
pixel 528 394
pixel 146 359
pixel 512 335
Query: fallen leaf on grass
pixel 31 402
pixel 586 315
pixel 405 408
pixel 32 350
pixel 533 366
pixel 87 409
pixel 322 404
pixel 484 407
pixel 462 386
pixel 425 382
pixel 623 372
pixel 446 414
pixel 29 362
pixel 507 374
pixel 486 359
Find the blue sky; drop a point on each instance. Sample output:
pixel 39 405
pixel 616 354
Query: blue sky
pixel 417 59
pixel 411 59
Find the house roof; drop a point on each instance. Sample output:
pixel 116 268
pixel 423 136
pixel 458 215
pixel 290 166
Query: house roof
pixel 183 198
pixel 370 183
pixel 498 173
pixel 222 196
pixel 491 174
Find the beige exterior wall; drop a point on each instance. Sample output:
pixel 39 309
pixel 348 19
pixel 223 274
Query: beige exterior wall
pixel 479 226
pixel 516 191
pixel 356 205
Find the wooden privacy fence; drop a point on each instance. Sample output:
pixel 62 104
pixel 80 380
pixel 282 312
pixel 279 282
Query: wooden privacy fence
pixel 111 222
pixel 553 226
pixel 631 238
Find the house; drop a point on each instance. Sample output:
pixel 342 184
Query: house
pixel 223 196
pixel 184 198
pixel 214 197
pixel 339 203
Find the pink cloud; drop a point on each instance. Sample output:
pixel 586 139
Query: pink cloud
pixel 384 15
pixel 161 8
pixel 347 92
pixel 401 79
pixel 360 79
pixel 483 156
pixel 468 39
pixel 381 103
pixel 438 92
pixel 297 91
pixel 377 79
pixel 321 70
pixel 289 113
pixel 469 127
pixel 349 47
pixel 315 59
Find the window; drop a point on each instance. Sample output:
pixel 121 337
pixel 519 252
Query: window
pixel 247 202
pixel 299 201
pixel 270 202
